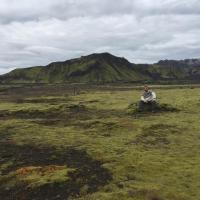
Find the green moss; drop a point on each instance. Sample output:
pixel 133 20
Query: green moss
pixel 37 176
pixel 153 156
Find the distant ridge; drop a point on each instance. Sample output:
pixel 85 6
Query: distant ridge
pixel 106 68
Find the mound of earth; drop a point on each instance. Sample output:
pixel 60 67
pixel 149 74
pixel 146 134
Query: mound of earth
pixel 134 108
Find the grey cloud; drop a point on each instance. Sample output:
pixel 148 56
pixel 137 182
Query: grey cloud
pixel 36 33
pixel 26 10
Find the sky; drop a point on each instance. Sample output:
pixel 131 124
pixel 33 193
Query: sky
pixel 35 32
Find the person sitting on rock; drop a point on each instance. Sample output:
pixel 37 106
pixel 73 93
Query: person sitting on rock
pixel 148 100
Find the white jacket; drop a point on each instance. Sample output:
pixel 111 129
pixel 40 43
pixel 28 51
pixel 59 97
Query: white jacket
pixel 151 98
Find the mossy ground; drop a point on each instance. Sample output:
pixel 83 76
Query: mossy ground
pixel 87 146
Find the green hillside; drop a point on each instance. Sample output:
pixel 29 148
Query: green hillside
pixel 105 68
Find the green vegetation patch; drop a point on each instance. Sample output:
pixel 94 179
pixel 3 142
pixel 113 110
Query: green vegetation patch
pixel 156 135
pixel 33 177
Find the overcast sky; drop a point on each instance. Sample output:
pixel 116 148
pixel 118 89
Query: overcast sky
pixel 36 32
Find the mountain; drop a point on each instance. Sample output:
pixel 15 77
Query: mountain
pixel 106 68
pixel 173 71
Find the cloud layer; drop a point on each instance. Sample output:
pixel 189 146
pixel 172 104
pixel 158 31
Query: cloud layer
pixel 34 32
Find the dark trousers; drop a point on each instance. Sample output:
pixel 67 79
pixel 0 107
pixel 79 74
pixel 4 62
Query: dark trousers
pixel 147 106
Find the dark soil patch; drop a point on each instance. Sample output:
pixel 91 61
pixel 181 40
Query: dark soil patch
pixel 88 125
pixel 100 125
pixel 52 100
pixel 6 133
pixel 61 112
pixel 156 135
pixel 89 173
pixel 51 122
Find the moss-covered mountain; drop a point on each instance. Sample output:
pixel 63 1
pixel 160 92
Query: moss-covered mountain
pixel 106 68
